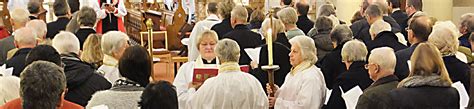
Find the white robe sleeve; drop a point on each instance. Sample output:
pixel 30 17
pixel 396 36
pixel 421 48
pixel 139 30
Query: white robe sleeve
pixel 122 11
pixel 183 78
pixel 308 96
pixel 98 10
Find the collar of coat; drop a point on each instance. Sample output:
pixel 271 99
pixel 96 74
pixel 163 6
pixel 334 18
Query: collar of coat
pixel 431 80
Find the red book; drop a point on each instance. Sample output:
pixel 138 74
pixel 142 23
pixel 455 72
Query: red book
pixel 201 74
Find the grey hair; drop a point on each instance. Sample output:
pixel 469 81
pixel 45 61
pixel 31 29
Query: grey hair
pixel 373 11
pixel 323 23
pixel 384 57
pixel 87 16
pixel 341 34
pixel 445 37
pixel 20 16
pixel 73 24
pixel 354 50
pixel 227 50
pixel 112 41
pixel 307 47
pixel 288 15
pixel 379 26
pixel 66 42
pixel 39 26
pixel 326 10
pixel 25 36
pixel 240 13
pixel 42 81
pixel 467 20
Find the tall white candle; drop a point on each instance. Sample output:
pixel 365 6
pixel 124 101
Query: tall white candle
pixel 270 47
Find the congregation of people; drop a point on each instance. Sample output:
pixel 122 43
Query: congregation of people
pixel 85 59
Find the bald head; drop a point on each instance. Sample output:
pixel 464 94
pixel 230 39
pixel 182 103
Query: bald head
pixel 238 15
pixel 39 27
pixel 419 28
pixel 25 38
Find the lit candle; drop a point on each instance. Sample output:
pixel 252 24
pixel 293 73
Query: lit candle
pixel 270 47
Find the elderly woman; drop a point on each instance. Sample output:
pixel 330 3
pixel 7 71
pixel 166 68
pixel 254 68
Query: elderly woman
pixel 428 84
pixel 304 86
pixel 134 66
pixel 444 37
pixel 281 52
pixel 321 38
pixel 206 43
pixel 354 55
pixel 113 45
pixel 231 88
pixel 328 10
pixel 331 65
pixel 87 19
pixel 289 17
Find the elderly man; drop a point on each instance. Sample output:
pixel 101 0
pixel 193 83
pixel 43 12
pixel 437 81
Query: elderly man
pixel 381 69
pixel 242 34
pixel 19 18
pixel 113 45
pixel 39 27
pixel 86 19
pixel 466 27
pixel 381 35
pixel 289 17
pixel 220 92
pixel 418 31
pixel 62 11
pixel 42 81
pixel 82 79
pixel 200 27
pixel 25 40
pixel 374 14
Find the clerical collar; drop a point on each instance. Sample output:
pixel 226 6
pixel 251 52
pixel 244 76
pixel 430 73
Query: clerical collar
pixel 204 61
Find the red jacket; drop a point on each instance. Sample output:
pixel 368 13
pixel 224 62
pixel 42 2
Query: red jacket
pixel 16 104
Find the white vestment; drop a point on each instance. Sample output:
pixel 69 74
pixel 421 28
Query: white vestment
pixel 229 90
pixel 101 13
pixel 304 90
pixel 110 69
pixel 198 29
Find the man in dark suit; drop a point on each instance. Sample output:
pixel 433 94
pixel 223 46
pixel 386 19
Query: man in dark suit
pixel 86 19
pixel 412 7
pixel 25 40
pixel 34 9
pixel 62 11
pixel 19 18
pixel 303 22
pixel 242 34
pixel 418 31
pixel 380 31
pixel 224 27
pixel 400 16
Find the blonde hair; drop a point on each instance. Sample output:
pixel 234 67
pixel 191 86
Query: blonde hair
pixel 240 13
pixel 20 16
pixel 91 51
pixel 207 33
pixel 225 8
pixel 288 16
pixel 445 37
pixel 354 50
pixel 426 60
pixel 278 27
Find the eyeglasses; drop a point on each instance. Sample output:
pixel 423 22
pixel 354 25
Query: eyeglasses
pixel 368 65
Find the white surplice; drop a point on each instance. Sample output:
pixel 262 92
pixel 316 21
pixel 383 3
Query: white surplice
pixel 305 89
pixel 110 69
pixel 231 89
pixel 198 29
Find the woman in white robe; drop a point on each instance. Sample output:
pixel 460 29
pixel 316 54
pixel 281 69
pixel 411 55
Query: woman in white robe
pixel 231 88
pixel 304 86
pixel 206 42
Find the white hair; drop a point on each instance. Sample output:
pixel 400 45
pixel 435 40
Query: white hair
pixel 288 15
pixel 227 50
pixel 25 36
pixel 378 27
pixel 39 27
pixel 240 13
pixel 307 47
pixel 112 41
pixel 66 42
pixel 354 50
pixel 384 57
pixel 9 88
pixel 445 37
pixel 20 16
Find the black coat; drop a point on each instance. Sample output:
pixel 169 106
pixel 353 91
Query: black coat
pixel 331 66
pixel 424 92
pixel 18 61
pixel 281 38
pixel 377 96
pixel 280 58
pixel 304 23
pixel 73 5
pixel 82 35
pixel 356 76
pixel 323 43
pixel 401 68
pixel 222 28
pixel 56 26
pixel 246 39
pixel 82 80
pixel 385 39
pixel 401 18
pixel 464 40
pixel 360 29
pixel 458 71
